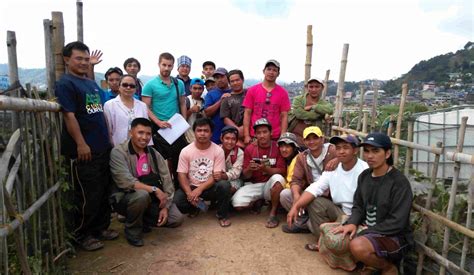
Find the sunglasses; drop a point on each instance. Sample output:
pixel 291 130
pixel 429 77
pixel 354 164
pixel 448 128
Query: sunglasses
pixel 126 85
pixel 267 99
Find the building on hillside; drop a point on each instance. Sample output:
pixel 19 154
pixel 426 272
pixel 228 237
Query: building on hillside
pixel 429 86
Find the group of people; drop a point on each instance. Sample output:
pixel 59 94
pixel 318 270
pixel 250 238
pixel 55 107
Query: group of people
pixel 246 148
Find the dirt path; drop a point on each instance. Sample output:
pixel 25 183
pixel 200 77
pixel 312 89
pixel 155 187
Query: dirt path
pixel 200 246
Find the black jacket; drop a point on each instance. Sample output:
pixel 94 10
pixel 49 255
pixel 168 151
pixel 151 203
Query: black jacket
pixel 393 199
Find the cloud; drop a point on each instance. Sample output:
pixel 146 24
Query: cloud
pixel 458 16
pixel 265 8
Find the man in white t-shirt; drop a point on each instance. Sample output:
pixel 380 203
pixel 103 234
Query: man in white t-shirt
pixel 198 162
pixel 341 182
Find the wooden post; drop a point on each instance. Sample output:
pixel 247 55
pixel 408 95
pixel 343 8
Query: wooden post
pixel 48 46
pixel 398 133
pixel 347 120
pixel 409 150
pixel 58 42
pixel 424 227
pixel 325 89
pixel 374 107
pixel 390 126
pixel 452 194
pixel 80 23
pixel 340 85
pixel 361 107
pixel 13 72
pixel 309 55
pixel 364 130
pixel 470 198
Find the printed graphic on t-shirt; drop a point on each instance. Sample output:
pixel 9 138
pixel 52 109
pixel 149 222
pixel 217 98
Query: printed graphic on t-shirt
pixel 200 169
pixel 371 216
pixel 267 110
pixel 93 103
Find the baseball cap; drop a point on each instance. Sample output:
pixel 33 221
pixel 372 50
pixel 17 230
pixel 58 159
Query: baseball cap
pixel 221 71
pixel 113 70
pixel 184 60
pixel 262 122
pixel 312 79
pixel 312 130
pixel 346 138
pixel 378 140
pixel 273 62
pixel 288 138
pixel 197 80
pixel 209 79
pixel 229 129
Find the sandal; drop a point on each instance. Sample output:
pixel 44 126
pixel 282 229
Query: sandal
pixel 312 247
pixel 224 222
pixel 272 222
pixel 108 235
pixel 90 244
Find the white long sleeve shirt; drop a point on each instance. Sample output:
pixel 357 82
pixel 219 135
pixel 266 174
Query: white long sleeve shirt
pixel 341 183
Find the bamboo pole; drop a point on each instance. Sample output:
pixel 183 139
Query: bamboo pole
pixel 452 194
pixel 13 72
pixel 58 42
pixel 440 260
pixel 309 55
pixel 390 126
pixel 365 121
pixel 424 227
pixel 399 122
pixel 80 23
pixel 48 46
pixel 325 88
pixel 374 107
pixel 409 150
pixel 340 85
pixel 347 118
pixel 470 198
pixel 361 107
pixel 25 104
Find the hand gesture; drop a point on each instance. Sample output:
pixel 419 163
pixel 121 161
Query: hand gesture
pixel 164 124
pixel 292 215
pixel 163 217
pixel 96 56
pixel 163 197
pixel 195 109
pixel 345 229
pixel 332 165
pixel 84 153
pixel 217 175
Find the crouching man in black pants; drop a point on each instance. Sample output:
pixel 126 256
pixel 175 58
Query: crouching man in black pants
pixel 145 190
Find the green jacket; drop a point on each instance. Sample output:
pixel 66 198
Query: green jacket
pixel 315 116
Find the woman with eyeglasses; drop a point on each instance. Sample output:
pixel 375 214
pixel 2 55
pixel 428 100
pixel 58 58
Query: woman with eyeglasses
pixel 121 110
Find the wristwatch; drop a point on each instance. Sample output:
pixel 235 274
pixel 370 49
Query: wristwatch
pixel 154 189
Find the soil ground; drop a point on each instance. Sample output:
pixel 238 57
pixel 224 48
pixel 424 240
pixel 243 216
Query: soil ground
pixel 201 246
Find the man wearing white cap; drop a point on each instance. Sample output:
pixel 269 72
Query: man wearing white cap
pixel 309 109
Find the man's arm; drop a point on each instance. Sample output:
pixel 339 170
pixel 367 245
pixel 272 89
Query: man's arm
pixel 297 207
pixel 212 109
pixel 230 122
pixel 284 122
pixel 83 150
pixel 246 123
pixel 94 60
pixel 323 107
pixel 182 106
pixel 300 112
pixel 151 115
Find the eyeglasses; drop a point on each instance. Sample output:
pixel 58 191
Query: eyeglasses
pixel 126 85
pixel 267 99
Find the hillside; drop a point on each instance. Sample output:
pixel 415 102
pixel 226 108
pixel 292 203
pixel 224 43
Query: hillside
pixel 438 69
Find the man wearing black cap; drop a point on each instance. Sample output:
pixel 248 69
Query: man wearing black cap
pixel 382 201
pixel 213 102
pixel 309 109
pixel 267 100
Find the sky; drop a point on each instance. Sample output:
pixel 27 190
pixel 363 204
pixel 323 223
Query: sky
pixel 386 37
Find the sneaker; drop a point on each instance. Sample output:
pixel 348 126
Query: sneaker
pixel 294 229
pixel 135 241
pixel 108 235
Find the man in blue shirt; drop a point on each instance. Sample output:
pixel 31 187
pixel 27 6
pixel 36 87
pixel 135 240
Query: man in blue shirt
pixel 164 95
pixel 85 144
pixel 213 100
pixel 184 68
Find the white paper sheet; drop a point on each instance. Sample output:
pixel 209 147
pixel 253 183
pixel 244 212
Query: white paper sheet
pixel 179 126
